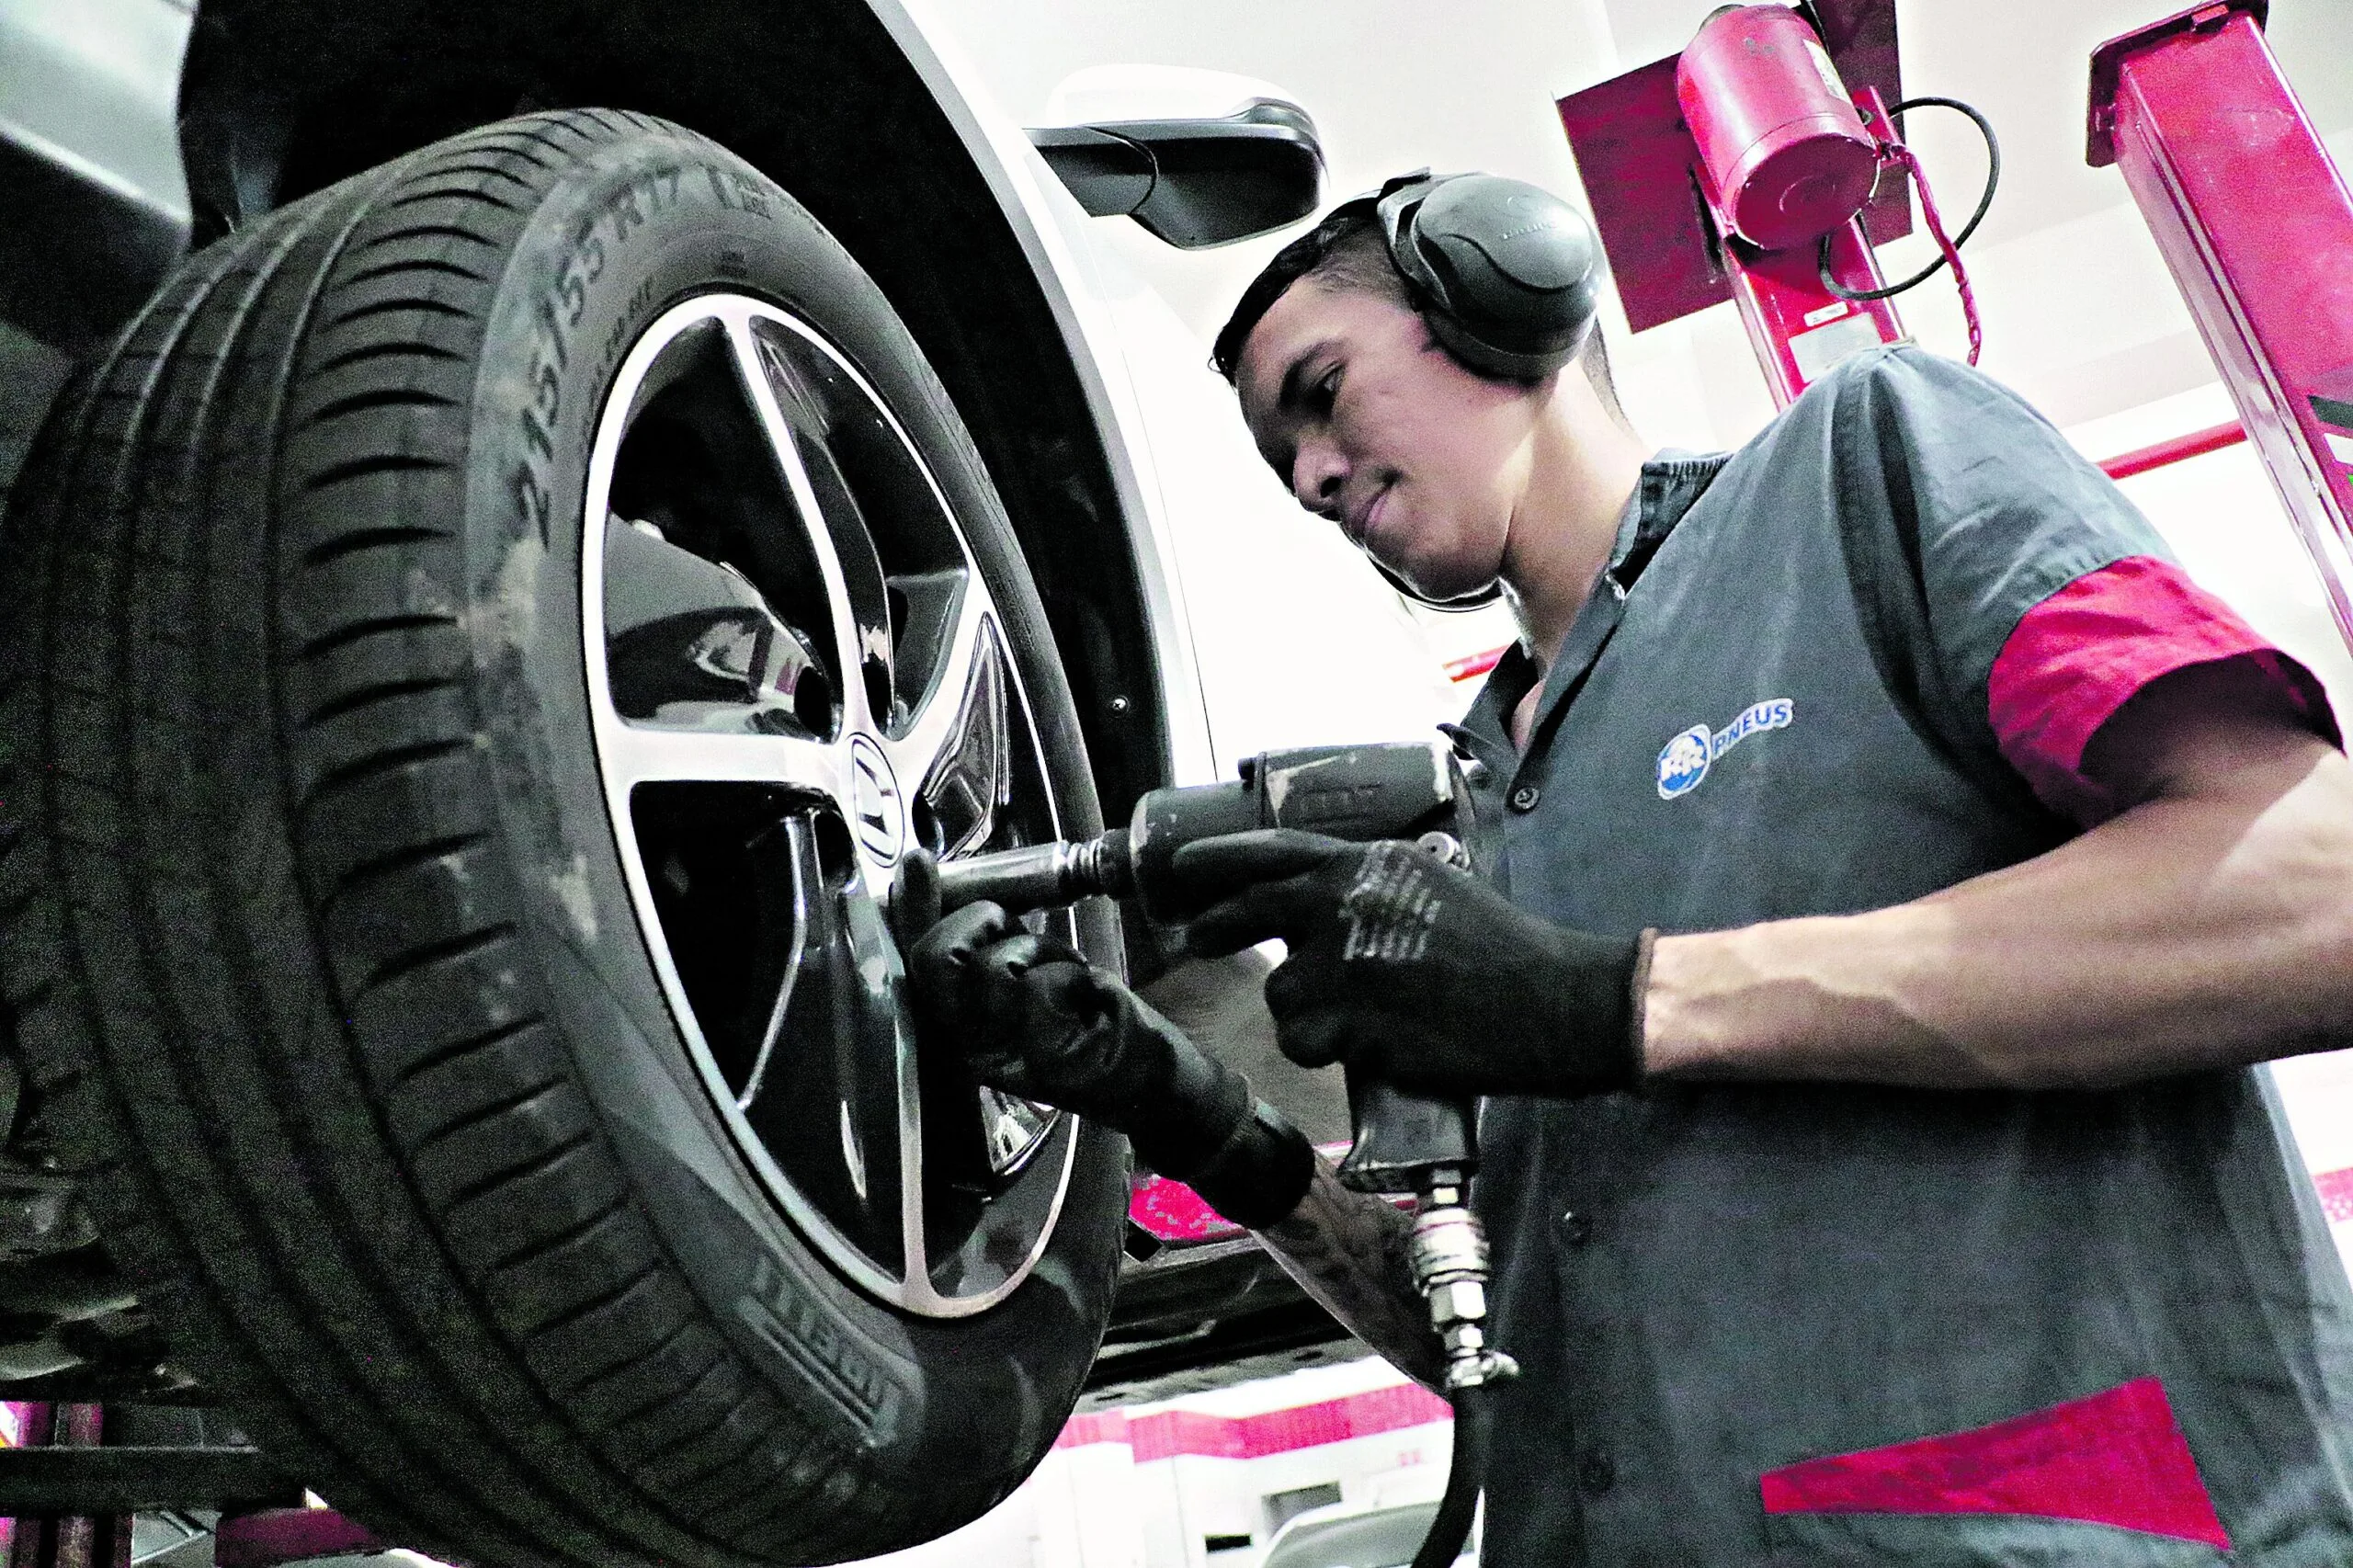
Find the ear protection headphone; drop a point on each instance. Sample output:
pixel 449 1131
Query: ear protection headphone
pixel 1505 274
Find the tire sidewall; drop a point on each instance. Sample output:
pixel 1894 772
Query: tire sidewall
pixel 640 224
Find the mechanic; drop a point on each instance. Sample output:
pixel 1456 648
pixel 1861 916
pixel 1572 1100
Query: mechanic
pixel 1899 862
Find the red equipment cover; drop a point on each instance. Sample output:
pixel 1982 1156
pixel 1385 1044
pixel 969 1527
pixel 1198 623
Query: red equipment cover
pixel 1784 158
pixel 1639 168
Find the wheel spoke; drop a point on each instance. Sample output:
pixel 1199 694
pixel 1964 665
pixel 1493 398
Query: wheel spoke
pixel 807 875
pixel 753 359
pixel 830 1106
pixel 961 742
pixel 797 430
pixel 1012 1129
pixel 724 753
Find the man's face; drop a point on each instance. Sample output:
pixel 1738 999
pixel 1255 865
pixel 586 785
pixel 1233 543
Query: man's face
pixel 1420 462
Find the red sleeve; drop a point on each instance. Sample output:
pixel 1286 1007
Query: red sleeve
pixel 2073 659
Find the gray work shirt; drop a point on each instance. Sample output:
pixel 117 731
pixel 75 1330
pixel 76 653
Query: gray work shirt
pixel 1707 1284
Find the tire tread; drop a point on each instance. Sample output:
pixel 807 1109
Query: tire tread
pixel 482 1347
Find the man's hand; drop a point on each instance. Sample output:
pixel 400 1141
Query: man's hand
pixel 1411 971
pixel 1033 1018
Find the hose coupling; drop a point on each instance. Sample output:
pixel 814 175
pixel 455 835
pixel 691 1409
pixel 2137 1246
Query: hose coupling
pixel 1449 1252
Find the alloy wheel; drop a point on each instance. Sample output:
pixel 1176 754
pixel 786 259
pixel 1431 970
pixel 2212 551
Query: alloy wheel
pixel 796 674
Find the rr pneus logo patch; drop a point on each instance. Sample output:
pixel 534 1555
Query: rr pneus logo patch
pixel 1684 761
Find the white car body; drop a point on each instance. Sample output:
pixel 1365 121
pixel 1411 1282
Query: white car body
pixel 1271 631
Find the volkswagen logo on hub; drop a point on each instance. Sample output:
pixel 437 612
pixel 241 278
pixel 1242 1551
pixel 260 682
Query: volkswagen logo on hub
pixel 879 814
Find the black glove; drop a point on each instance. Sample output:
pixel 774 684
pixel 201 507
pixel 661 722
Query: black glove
pixel 1034 1018
pixel 1406 969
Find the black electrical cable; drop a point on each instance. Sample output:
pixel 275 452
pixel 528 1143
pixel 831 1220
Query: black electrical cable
pixel 1993 178
pixel 1465 1473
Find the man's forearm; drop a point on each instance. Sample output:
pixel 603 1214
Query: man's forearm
pixel 2190 932
pixel 1348 1251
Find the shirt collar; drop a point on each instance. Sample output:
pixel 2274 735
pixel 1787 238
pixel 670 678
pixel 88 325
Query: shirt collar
pixel 1671 483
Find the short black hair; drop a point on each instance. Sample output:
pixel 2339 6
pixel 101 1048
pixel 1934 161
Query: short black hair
pixel 1349 252
pixel 1346 247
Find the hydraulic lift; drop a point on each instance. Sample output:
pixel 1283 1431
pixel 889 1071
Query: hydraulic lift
pixel 1697 166
pixel 78 1471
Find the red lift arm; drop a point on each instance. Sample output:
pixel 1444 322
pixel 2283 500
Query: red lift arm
pixel 2257 226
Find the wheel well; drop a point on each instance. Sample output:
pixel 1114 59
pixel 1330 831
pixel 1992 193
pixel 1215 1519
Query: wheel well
pixel 281 97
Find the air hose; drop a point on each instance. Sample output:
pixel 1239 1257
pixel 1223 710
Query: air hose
pixel 1894 153
pixel 1466 1474
pixel 1449 1258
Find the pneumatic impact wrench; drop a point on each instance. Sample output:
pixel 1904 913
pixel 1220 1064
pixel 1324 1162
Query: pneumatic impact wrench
pixel 1403 1143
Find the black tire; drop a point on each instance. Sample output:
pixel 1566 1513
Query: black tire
pixel 318 929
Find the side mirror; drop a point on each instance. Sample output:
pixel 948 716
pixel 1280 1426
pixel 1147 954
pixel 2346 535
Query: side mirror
pixel 1194 182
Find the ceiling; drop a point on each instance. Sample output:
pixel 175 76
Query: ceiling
pixel 2079 313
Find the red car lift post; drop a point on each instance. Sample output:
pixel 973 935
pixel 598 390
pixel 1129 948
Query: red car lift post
pixel 73 1489
pixel 72 1540
pixel 2257 224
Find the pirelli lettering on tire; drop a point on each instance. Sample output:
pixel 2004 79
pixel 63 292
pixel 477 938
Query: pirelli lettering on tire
pixel 784 1318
